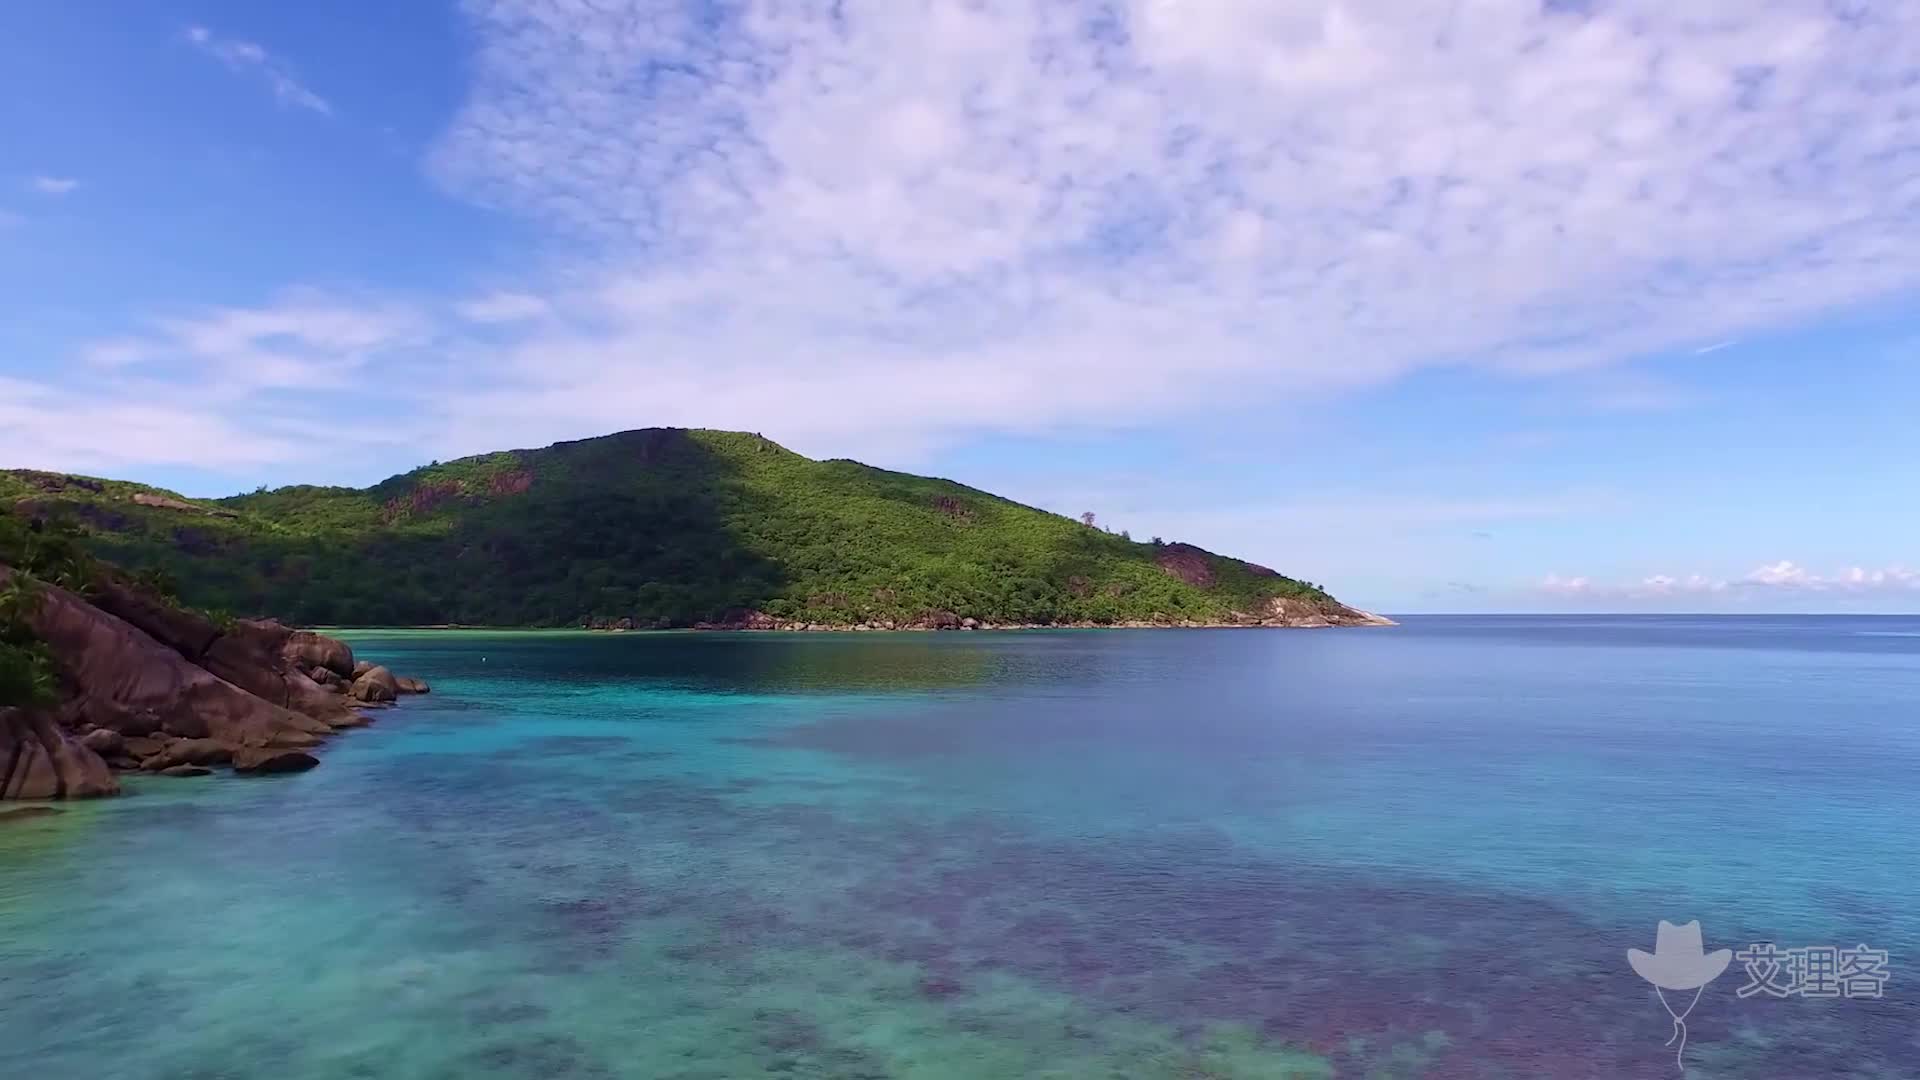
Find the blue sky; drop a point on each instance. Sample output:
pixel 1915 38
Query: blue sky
pixel 1487 305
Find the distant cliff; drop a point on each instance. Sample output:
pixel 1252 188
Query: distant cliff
pixel 661 528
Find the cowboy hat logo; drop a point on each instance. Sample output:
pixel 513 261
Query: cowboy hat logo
pixel 1679 962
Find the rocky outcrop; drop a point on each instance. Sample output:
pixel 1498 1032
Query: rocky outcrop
pixel 741 619
pixel 126 681
pixel 162 502
pixel 53 482
pixel 1278 612
pixel 149 686
pixel 514 482
pixel 105 742
pixel 252 656
pixel 1291 612
pixel 422 499
pixel 1187 563
pixel 318 652
pixel 263 658
pixel 186 632
pixel 375 685
pixel 269 760
pixel 189 752
pixel 40 760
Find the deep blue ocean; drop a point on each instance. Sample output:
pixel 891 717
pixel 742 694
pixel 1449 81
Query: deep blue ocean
pixel 1409 852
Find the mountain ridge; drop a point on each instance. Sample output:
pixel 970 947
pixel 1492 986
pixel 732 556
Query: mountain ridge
pixel 660 527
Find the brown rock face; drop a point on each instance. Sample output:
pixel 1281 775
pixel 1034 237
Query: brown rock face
pixel 185 632
pixel 376 684
pixel 516 482
pixel 1289 611
pixel 939 620
pixel 189 752
pixel 268 760
pixel 1188 563
pixel 125 679
pixel 420 500
pixel 164 503
pixel 46 481
pixel 104 742
pixel 310 650
pixel 39 761
pixel 262 658
pixel 411 686
pixel 252 656
pixel 741 619
pixel 169 691
pixel 141 747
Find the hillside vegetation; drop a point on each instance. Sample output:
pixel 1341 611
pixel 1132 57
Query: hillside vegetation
pixel 663 527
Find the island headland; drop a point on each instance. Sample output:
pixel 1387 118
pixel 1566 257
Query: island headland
pixel 141 629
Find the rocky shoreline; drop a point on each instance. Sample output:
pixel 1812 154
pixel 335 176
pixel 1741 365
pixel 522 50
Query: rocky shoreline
pixel 1279 613
pixel 148 686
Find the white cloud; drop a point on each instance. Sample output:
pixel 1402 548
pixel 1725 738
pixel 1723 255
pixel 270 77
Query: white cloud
pixel 248 57
pixel 1402 511
pixel 230 388
pixel 941 216
pixel 1782 573
pixel 1566 586
pixel 54 185
pixel 504 307
pixel 44 427
pixel 302 341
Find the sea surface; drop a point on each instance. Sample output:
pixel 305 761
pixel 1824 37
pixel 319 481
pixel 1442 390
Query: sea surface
pixel 1411 852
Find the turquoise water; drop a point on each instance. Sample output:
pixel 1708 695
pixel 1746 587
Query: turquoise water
pixel 1418 852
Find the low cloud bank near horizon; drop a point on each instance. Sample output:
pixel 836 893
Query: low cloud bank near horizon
pixel 1780 577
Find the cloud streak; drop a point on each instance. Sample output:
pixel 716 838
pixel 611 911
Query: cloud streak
pixel 54 185
pixel 253 60
pixel 302 341
pixel 504 307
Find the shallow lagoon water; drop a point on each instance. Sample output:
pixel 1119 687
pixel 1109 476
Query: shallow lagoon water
pixel 1418 852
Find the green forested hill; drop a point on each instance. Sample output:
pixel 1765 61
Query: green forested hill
pixel 660 526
